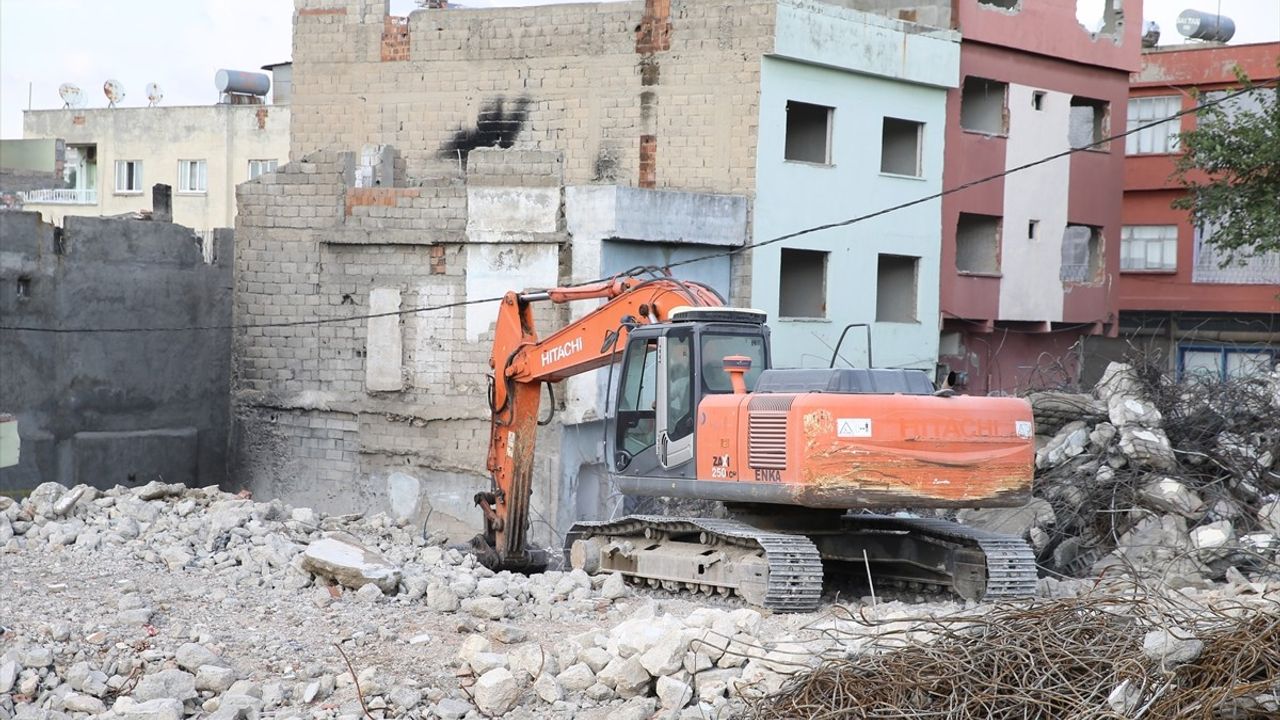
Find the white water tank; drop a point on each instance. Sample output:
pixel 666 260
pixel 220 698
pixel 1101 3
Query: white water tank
pixel 240 82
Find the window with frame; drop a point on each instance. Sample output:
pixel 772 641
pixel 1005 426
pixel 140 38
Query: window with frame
pixel 258 168
pixel 128 176
pixel 900 147
pixel 1152 248
pixel 1218 363
pixel 192 176
pixel 1157 139
pixel 808 133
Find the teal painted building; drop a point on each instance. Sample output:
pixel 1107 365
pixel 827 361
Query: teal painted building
pixel 852 112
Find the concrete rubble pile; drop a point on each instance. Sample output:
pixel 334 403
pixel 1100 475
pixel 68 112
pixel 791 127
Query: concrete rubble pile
pixel 134 654
pixel 1147 477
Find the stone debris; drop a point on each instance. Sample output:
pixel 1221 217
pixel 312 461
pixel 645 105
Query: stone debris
pixel 1148 477
pixel 341 558
pixel 134 654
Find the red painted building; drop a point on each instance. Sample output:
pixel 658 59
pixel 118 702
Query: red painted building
pixel 1174 293
pixel 1030 261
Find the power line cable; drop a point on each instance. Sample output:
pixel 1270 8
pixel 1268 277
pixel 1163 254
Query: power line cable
pixel 689 261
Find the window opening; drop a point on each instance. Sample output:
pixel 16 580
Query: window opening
pixel 808 133
pixel 1033 230
pixel 983 106
pixel 1037 100
pixel 1088 123
pixel 896 288
pixel 978 243
pixel 802 285
pixel 258 168
pixel 1081 254
pixel 900 147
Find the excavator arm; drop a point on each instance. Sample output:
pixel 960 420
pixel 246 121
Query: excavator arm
pixel 522 362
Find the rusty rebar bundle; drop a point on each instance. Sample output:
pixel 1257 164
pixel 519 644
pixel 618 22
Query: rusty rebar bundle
pixel 1051 660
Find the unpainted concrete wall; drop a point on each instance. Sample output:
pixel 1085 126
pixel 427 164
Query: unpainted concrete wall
pixel 108 408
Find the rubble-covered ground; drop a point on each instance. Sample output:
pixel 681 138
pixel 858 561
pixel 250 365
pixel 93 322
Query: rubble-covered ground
pixel 164 602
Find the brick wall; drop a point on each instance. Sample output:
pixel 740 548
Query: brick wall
pixel 307 425
pixel 587 80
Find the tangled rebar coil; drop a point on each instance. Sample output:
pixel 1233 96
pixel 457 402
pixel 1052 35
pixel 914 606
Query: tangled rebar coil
pixel 1077 658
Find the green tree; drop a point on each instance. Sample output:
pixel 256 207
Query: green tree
pixel 1231 169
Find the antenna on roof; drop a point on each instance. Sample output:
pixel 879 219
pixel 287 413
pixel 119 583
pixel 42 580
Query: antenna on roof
pixel 154 94
pixel 71 96
pixel 114 90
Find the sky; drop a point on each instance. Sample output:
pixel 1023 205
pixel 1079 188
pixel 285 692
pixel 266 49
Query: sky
pixel 44 43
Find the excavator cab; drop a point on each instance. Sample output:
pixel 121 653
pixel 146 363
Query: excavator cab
pixel 667 369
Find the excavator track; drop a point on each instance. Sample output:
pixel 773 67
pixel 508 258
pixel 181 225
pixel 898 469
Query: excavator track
pixel 783 571
pixel 988 565
pixel 788 580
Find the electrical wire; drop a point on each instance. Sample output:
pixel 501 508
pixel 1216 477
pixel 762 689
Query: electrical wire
pixel 712 256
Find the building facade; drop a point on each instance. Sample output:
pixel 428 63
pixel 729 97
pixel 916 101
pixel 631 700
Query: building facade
pixel 113 156
pixel 1030 260
pixel 453 155
pixel 1205 315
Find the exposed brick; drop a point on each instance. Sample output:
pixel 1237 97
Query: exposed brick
pixel 395 39
pixel 648 161
pixel 377 197
pixel 654 33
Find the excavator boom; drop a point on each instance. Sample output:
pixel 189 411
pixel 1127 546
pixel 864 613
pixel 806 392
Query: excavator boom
pixel 522 362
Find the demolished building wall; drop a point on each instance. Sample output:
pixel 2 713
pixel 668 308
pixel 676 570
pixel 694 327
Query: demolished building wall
pixel 107 408
pixel 587 79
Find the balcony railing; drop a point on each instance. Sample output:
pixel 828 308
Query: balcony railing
pixel 72 196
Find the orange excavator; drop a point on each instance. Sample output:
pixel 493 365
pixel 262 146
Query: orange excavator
pixel 797 456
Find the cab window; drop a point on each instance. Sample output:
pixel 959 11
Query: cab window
pixel 714 350
pixel 637 397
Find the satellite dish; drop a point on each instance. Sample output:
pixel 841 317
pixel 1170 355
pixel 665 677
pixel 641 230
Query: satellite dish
pixel 71 95
pixel 114 91
pixel 154 94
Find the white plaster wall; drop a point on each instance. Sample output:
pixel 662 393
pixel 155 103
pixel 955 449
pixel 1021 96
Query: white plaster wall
pixel 226 137
pixel 511 214
pixel 1031 284
pixel 383 345
pixel 494 269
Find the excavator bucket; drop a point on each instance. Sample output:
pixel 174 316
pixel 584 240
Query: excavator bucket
pixel 532 560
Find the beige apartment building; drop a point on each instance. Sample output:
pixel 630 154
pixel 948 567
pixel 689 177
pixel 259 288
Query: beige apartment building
pixel 113 156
